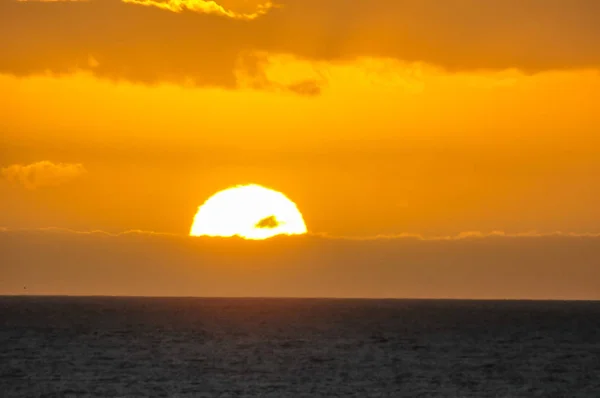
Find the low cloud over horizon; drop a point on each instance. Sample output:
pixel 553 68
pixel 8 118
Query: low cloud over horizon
pixel 474 265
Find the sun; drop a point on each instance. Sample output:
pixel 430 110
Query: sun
pixel 249 211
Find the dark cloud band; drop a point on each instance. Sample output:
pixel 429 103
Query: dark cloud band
pixel 121 41
pixel 558 266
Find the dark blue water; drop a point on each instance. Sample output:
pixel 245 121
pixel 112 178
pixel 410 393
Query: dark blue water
pixel 185 347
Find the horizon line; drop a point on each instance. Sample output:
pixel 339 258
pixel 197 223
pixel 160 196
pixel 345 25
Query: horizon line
pixel 120 296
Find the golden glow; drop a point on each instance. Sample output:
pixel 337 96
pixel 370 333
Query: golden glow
pixel 248 211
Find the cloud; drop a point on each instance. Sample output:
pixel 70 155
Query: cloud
pixel 52 1
pixel 204 7
pixel 43 174
pixel 530 266
pixel 254 70
pixel 268 222
pixel 204 47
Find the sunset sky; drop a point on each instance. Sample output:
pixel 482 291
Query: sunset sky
pixel 380 119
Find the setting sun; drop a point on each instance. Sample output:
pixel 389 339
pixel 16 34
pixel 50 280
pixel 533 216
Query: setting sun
pixel 248 211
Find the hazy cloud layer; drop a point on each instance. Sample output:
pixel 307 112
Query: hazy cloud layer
pixel 558 266
pixel 118 40
pixel 42 174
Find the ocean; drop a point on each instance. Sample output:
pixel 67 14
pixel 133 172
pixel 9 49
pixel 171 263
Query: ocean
pixel 202 347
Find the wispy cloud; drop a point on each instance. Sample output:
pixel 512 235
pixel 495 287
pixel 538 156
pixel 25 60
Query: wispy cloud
pixel 204 7
pixel 43 174
pixel 52 1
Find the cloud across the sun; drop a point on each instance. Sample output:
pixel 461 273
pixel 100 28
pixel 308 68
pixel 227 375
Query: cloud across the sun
pixel 522 266
pixel 42 174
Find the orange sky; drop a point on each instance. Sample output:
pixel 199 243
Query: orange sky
pixel 383 117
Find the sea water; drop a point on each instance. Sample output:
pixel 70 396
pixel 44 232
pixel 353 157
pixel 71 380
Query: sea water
pixel 196 347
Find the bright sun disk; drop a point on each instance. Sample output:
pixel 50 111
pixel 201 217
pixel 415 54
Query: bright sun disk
pixel 249 211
